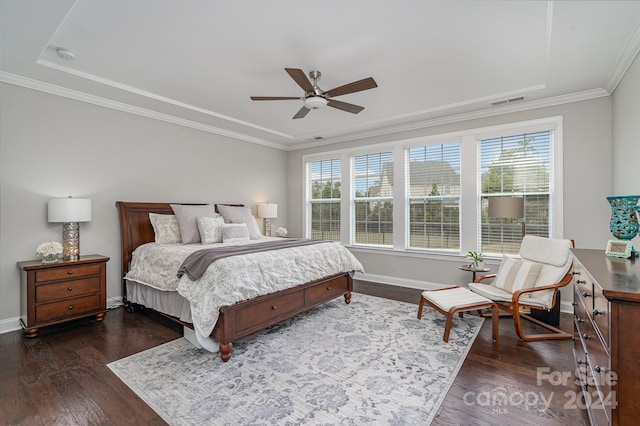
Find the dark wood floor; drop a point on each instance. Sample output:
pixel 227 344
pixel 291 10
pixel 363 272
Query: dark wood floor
pixel 61 376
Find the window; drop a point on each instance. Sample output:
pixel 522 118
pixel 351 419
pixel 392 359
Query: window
pixel 324 199
pixel 373 198
pixel 433 187
pixel 517 165
pixel 429 195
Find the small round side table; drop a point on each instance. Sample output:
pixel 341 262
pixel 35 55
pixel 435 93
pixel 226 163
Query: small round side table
pixel 474 271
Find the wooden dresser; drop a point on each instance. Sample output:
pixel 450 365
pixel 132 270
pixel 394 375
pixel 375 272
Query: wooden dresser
pixel 63 291
pixel 607 336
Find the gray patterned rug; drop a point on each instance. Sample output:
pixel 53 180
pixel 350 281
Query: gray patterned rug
pixel 370 362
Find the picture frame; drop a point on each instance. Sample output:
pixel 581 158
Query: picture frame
pixel 619 248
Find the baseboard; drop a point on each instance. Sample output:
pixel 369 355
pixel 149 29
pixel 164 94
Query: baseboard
pixel 10 324
pixel 401 282
pixel 565 306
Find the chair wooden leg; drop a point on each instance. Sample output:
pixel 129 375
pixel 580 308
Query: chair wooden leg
pixel 556 333
pixel 422 300
pixel 495 314
pixel 447 327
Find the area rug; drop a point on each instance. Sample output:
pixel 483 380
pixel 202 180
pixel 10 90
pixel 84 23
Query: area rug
pixel 369 362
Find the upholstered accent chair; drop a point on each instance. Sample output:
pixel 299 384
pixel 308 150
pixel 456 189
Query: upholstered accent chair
pixel 530 282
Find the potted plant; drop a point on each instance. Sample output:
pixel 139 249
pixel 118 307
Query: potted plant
pixel 476 260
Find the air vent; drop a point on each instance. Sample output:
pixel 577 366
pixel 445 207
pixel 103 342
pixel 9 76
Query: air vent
pixel 318 138
pixel 508 101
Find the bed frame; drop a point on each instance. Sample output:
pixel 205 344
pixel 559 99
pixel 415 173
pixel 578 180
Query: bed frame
pixel 243 318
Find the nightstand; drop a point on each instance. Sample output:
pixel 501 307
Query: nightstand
pixel 64 291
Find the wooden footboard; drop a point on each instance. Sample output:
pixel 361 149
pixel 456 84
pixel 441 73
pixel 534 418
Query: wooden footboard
pixel 249 316
pixel 244 317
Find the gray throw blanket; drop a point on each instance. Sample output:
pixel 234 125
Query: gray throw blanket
pixel 197 262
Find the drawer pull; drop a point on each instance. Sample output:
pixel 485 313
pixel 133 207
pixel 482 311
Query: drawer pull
pixel 576 272
pixel 586 336
pixel 70 272
pixel 70 288
pixel 586 294
pixel 579 362
pixel 597 368
pixel 597 312
pixel 273 308
pixel 579 320
pixel 70 307
pixel 329 288
pixel 581 282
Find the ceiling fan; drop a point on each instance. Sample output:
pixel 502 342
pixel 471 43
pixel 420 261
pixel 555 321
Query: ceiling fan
pixel 315 98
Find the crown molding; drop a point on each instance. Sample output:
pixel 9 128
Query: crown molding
pixel 625 60
pixel 120 106
pixel 490 112
pixel 383 131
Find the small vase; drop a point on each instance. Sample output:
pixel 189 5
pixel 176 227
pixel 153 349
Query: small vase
pixel 624 222
pixel 50 258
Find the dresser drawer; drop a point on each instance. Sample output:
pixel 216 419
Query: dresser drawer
pixel 265 312
pixel 67 289
pixel 55 274
pixel 67 308
pixel 600 313
pixel 324 291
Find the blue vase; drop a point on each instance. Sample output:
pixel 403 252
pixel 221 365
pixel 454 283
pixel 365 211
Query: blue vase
pixel 624 222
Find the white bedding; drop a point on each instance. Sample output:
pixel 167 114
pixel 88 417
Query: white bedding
pixel 236 278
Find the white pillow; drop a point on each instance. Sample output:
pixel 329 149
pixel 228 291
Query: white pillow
pixel 235 214
pixel 234 232
pixel 165 228
pixel 186 216
pixel 516 274
pixel 210 229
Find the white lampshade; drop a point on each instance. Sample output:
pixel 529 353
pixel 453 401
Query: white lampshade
pixel 506 207
pixel 315 102
pixel 268 211
pixel 67 210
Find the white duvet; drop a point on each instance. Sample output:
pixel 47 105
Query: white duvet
pixel 236 278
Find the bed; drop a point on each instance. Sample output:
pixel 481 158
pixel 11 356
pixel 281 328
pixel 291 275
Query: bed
pixel 232 321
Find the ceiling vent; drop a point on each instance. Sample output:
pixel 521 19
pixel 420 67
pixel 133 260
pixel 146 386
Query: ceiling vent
pixel 508 101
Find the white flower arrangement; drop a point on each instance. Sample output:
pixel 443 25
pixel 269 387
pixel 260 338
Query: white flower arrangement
pixel 49 248
pixel 281 232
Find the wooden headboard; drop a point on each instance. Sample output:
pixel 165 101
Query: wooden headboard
pixel 136 229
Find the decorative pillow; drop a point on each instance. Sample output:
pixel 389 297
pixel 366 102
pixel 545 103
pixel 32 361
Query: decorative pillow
pixel 234 232
pixel 516 274
pixel 235 214
pixel 165 228
pixel 210 229
pixel 186 216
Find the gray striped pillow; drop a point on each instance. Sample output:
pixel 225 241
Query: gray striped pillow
pixel 516 274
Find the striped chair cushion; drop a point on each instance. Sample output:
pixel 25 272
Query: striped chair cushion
pixel 516 274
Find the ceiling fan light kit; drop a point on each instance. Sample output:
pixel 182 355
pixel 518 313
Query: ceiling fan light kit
pixel 315 102
pixel 316 98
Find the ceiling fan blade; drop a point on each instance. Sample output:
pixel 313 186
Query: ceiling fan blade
pixel 344 106
pixel 300 77
pixel 274 98
pixel 356 86
pixel 301 113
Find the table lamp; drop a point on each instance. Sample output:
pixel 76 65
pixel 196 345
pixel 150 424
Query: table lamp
pixel 267 212
pixel 508 209
pixel 70 211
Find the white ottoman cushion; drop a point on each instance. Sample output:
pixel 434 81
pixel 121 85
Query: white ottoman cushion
pixel 454 298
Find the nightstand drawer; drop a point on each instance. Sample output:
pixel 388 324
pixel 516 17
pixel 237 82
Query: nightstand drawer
pixel 68 308
pixel 66 273
pixel 67 289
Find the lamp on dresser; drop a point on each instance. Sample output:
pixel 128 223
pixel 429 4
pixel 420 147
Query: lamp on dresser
pixel 70 212
pixel 509 209
pixel 267 212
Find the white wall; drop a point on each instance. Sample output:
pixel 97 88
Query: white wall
pixel 587 181
pixel 626 133
pixel 51 146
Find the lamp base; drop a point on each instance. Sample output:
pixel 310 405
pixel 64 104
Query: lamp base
pixel 71 241
pixel 267 227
